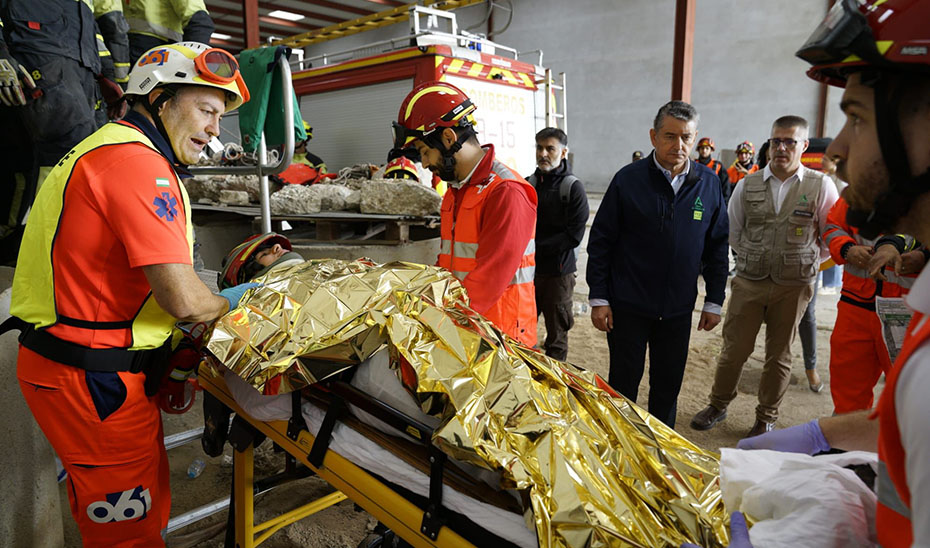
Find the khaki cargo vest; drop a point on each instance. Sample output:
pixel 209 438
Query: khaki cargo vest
pixel 783 246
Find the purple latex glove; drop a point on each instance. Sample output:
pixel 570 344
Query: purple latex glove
pixel 804 438
pixel 739 533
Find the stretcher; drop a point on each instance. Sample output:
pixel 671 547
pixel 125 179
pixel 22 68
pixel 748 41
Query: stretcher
pixel 419 520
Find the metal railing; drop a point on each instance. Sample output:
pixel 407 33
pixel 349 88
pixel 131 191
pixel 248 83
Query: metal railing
pixel 262 169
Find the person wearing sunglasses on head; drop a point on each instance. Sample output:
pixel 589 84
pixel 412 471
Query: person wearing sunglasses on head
pixel 776 218
pixel 104 274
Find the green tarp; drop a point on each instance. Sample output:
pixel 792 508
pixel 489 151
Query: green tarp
pixel 264 111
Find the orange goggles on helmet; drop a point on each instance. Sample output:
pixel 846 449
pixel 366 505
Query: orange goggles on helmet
pixel 219 67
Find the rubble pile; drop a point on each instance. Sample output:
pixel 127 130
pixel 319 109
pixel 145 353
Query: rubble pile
pixel 349 192
pixel 398 197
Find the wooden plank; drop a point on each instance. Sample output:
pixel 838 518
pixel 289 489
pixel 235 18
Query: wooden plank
pixel 397 231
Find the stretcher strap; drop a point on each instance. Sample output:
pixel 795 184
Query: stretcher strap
pixel 433 518
pixel 337 409
pixel 296 424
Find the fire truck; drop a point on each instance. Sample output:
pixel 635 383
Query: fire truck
pixel 350 98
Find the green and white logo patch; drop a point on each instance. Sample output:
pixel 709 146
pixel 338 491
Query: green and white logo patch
pixel 162 182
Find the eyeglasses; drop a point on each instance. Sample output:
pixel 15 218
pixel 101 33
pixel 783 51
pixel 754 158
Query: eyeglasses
pixel 777 143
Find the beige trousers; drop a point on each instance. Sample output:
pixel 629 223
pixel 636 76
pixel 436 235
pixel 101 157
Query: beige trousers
pixel 751 303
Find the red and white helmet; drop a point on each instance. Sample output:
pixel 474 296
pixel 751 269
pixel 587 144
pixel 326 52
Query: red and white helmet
pixel 889 41
pixel 706 142
pixel 401 168
pixel 431 106
pixel 190 63
pixel 239 265
pixel 890 34
pixel 745 146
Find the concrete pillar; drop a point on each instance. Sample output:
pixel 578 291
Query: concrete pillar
pixel 30 513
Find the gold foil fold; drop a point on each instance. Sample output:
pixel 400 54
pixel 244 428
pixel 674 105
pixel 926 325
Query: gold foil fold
pixel 598 470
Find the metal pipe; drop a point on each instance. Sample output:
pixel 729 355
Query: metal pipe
pixel 564 103
pixel 197 514
pixel 538 51
pixel 262 170
pixel 183 438
pixel 263 187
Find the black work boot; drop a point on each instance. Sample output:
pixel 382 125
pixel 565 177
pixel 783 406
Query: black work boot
pixel 706 418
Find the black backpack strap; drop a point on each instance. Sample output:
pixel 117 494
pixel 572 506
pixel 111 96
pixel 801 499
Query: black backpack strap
pixel 565 190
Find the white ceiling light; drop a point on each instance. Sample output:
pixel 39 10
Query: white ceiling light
pixel 281 14
pixel 220 36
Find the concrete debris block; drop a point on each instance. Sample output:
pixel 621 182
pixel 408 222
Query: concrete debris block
pixel 203 189
pixel 296 199
pixel 332 197
pixel 399 198
pixel 207 189
pixel 234 197
pixel 310 199
pixel 354 200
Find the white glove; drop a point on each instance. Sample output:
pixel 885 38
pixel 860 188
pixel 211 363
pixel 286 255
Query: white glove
pixel 11 89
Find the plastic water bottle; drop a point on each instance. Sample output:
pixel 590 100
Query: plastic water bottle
pixel 196 468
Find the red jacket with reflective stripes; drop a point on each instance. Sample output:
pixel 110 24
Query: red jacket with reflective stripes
pixel 858 287
pixel 488 229
pixel 894 528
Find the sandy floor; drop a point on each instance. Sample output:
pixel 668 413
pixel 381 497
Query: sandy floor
pixel 344 526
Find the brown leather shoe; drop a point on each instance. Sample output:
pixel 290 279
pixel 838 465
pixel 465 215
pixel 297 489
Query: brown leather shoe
pixel 760 428
pixel 706 418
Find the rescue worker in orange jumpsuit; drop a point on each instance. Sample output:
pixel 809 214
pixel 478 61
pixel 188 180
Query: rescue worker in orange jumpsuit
pixel 743 165
pixel 858 355
pixel 488 215
pixel 705 148
pixel 104 274
pixel 882 152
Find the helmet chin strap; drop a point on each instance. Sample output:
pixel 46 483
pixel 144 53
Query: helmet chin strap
pixel 153 107
pixel 904 188
pixel 447 169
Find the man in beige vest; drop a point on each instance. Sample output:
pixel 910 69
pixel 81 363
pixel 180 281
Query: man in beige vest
pixel 776 216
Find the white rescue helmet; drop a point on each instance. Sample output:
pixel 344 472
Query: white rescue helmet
pixel 189 63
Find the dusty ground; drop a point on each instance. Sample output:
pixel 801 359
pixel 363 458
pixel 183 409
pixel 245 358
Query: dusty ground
pixel 344 526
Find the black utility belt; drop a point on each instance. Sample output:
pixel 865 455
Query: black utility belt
pixel 51 347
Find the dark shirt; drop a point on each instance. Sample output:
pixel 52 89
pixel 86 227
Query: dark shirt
pixel 559 228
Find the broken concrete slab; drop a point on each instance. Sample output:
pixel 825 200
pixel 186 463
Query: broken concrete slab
pixel 399 197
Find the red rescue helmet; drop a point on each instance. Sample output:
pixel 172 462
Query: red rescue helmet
pixel 240 266
pixel 889 41
pixel 706 142
pixel 745 146
pixel 869 33
pixel 428 107
pixel 401 168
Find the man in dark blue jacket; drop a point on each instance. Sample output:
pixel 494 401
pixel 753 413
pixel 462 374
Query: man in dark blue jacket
pixel 662 222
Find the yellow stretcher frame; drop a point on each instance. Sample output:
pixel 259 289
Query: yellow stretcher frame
pixel 390 508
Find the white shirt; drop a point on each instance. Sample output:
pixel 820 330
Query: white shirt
pixel 677 180
pixel 828 197
pixel 912 407
pixel 467 178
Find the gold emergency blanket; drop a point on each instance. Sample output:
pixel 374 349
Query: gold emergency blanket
pixel 599 470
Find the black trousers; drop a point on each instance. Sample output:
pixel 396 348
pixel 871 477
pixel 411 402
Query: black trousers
pixel 554 302
pixel 668 351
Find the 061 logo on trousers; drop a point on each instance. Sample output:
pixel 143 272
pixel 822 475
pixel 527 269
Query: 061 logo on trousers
pixel 130 504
